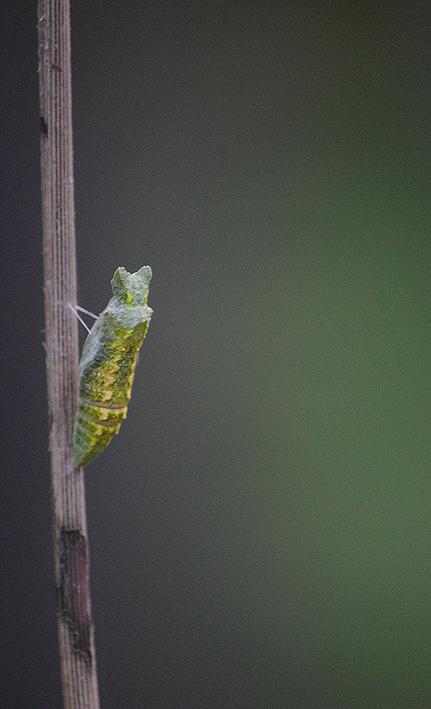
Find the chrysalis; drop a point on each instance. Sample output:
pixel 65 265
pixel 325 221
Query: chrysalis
pixel 108 363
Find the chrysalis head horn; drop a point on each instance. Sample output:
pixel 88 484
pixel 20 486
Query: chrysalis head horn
pixel 119 280
pixel 132 287
pixel 145 275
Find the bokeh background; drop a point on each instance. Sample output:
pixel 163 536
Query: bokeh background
pixel 260 530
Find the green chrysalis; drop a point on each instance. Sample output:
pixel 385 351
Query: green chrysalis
pixel 108 362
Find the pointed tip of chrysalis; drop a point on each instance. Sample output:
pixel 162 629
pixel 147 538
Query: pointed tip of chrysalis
pixel 144 274
pixel 123 281
pixel 119 278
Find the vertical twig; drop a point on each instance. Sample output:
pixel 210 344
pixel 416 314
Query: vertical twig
pixel 71 554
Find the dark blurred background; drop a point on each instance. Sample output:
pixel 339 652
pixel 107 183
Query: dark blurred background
pixel 260 530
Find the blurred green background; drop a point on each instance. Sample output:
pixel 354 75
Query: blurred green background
pixel 260 529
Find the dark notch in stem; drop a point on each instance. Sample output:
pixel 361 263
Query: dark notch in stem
pixel 71 552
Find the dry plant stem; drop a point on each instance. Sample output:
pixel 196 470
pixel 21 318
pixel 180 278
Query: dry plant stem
pixel 71 553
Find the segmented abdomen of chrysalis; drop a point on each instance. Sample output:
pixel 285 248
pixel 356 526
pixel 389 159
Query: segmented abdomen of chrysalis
pixel 108 364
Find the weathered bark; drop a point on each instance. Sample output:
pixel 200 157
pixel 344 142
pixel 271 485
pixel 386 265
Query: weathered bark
pixel 71 553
